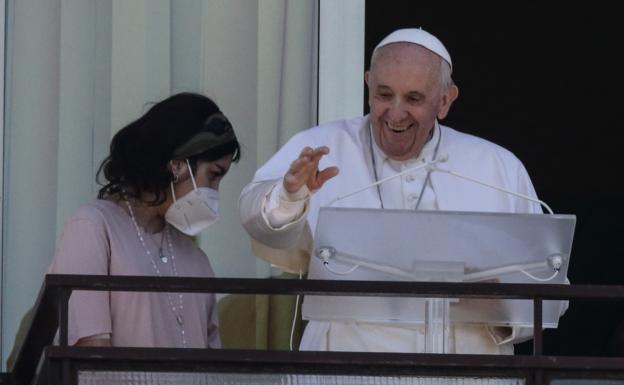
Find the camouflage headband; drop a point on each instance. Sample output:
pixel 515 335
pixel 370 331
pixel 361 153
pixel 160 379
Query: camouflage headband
pixel 215 132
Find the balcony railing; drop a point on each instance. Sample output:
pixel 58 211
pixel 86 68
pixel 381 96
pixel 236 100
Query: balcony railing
pixel 40 362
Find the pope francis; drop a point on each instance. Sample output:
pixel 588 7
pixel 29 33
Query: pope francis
pixel 410 89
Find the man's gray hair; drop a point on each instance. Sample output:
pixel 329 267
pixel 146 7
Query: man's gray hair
pixel 446 81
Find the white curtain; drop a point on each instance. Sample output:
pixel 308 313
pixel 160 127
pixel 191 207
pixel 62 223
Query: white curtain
pixel 268 91
pixel 78 70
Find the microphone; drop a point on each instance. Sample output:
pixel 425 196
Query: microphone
pixel 429 165
pixel 432 166
pixel 498 188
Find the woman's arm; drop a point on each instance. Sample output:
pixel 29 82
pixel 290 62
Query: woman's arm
pixel 84 248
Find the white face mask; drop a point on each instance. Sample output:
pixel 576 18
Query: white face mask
pixel 194 211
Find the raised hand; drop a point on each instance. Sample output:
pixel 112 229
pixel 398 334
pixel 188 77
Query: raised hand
pixel 304 170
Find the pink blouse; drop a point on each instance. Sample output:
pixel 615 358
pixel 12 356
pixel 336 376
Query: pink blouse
pixel 100 238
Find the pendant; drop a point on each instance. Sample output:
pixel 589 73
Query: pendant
pixel 180 319
pixel 162 256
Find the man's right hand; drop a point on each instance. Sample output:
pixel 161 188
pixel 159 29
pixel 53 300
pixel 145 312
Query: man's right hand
pixel 304 171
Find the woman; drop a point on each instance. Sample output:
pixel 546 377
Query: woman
pixel 162 180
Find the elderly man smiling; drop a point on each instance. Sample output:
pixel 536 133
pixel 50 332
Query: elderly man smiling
pixel 410 89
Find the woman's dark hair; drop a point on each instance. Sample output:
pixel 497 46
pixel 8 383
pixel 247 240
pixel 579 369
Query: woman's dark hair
pixel 140 152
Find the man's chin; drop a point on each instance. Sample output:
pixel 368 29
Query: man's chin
pixel 400 151
pixel 400 155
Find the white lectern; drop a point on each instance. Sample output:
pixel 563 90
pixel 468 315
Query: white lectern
pixel 382 245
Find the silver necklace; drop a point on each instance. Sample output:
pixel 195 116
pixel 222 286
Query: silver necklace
pixel 161 254
pixel 176 310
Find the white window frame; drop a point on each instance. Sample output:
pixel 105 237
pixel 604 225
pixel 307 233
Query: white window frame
pixel 2 109
pixel 341 59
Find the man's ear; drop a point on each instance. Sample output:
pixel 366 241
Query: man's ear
pixel 367 76
pixel 447 100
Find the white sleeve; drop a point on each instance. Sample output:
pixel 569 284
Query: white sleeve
pixel 254 219
pixel 281 208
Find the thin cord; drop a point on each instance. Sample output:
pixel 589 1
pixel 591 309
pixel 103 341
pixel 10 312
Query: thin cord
pixel 351 270
pixel 498 188
pixel 429 170
pixel 292 329
pixel 374 162
pixel 540 279
pixel 470 277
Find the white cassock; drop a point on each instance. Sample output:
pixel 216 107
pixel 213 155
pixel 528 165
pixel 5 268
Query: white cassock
pixel 288 243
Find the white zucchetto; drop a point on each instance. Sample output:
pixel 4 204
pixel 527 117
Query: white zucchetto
pixel 420 37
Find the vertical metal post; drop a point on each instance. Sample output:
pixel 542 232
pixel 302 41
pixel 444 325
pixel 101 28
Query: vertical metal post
pixel 539 377
pixel 54 372
pixel 537 327
pixel 538 343
pixel 67 378
pixel 63 316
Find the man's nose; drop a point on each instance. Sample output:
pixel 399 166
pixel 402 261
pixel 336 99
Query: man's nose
pixel 397 110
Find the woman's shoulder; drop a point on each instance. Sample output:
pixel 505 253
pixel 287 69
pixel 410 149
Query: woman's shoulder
pixel 97 211
pixel 84 244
